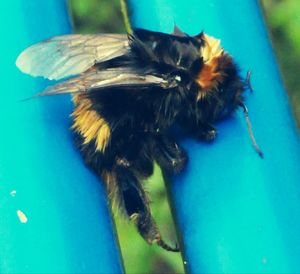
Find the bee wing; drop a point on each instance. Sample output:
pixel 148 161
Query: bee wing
pixel 68 55
pixel 178 32
pixel 110 78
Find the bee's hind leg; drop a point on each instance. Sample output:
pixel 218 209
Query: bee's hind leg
pixel 135 203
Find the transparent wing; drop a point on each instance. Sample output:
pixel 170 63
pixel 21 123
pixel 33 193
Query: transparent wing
pixel 97 80
pixel 68 55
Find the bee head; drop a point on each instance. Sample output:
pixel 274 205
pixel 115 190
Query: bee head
pixel 220 85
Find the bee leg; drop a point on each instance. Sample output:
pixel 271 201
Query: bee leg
pixel 206 132
pixel 169 155
pixel 199 130
pixel 136 205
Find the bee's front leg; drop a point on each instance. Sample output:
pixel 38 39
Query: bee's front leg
pixel 200 131
pixel 206 132
pixel 197 128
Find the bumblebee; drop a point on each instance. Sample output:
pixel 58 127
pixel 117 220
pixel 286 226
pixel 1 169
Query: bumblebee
pixel 129 92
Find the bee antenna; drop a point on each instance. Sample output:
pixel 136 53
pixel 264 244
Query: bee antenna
pixel 165 246
pixel 248 81
pixel 249 126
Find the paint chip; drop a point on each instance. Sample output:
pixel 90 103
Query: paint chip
pixel 13 193
pixel 22 217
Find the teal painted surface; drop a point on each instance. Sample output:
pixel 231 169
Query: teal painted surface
pixel 236 212
pixel 68 228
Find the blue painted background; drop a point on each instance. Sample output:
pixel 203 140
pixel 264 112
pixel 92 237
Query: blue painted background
pixel 68 228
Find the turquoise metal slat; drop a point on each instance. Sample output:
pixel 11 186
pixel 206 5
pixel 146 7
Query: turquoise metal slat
pixel 236 212
pixel 53 211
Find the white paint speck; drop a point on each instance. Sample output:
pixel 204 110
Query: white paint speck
pixel 22 217
pixel 13 193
